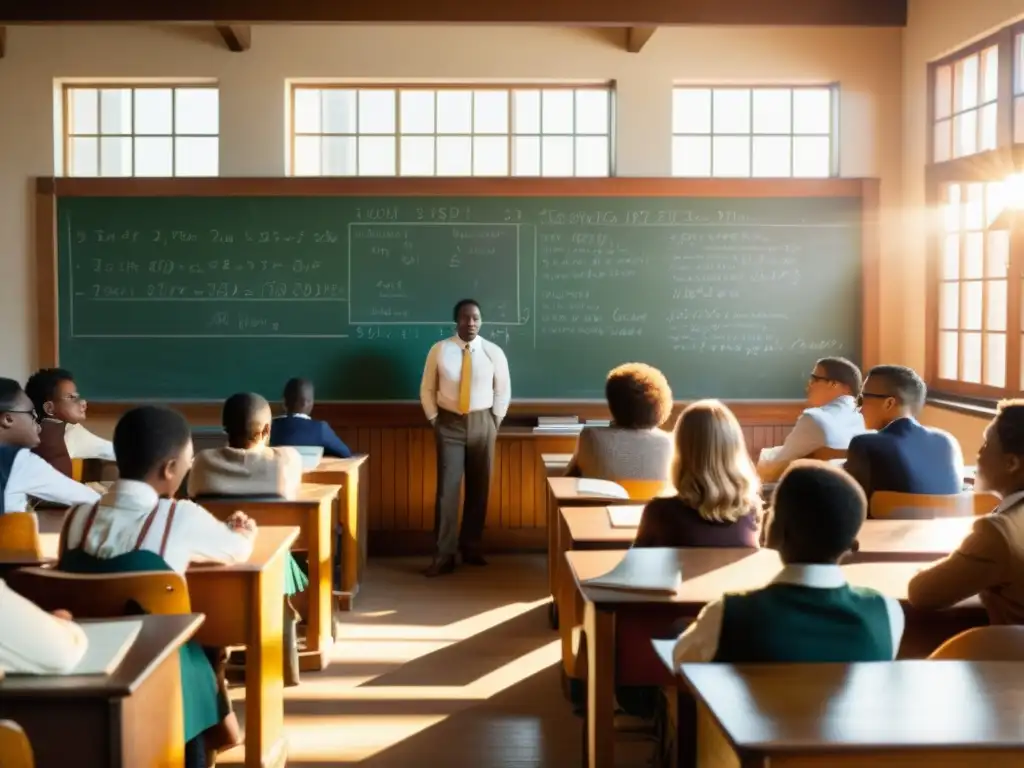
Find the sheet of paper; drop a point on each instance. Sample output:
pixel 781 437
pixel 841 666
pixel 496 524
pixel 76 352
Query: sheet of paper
pixel 663 650
pixel 587 486
pixel 625 516
pixel 643 570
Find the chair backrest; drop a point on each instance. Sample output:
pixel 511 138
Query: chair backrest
pixel 889 505
pixel 645 490
pixel 828 454
pixel 19 533
pixel 105 595
pixel 15 751
pixel 998 643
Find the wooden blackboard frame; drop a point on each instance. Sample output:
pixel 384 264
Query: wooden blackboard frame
pixel 50 189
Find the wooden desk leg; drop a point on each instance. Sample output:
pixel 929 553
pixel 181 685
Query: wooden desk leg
pixel 600 631
pixel 264 673
pixel 319 632
pixel 351 536
pixel 552 516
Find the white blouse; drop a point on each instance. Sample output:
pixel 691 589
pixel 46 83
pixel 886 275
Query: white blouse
pixel 33 641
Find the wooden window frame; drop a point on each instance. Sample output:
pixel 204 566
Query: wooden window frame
pixel 511 135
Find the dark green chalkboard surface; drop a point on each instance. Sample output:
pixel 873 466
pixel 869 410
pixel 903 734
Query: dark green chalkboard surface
pixel 192 298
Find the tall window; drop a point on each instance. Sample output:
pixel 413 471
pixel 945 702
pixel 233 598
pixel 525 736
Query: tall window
pixel 965 105
pixel 345 131
pixel 753 132
pixel 141 131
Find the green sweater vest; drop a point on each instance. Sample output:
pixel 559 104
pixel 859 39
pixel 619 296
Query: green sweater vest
pixel 788 622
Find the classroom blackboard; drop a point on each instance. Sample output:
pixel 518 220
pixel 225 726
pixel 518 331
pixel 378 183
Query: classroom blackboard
pixel 193 298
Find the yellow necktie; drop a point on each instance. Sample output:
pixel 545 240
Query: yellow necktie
pixel 466 380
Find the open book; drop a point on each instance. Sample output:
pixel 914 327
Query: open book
pixel 109 643
pixel 643 570
pixel 587 486
pixel 625 515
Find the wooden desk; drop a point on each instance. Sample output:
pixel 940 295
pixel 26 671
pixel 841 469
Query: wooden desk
pixel 243 606
pixel 618 625
pixel 129 719
pixel 910 540
pixel 351 475
pixel 905 714
pixel 313 512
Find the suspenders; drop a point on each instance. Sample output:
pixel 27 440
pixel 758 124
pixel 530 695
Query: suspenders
pixel 142 534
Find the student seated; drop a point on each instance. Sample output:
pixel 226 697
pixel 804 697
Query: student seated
pixel 830 420
pixel 808 613
pixel 632 447
pixel 63 436
pixel 902 455
pixel 138 526
pixel 35 642
pixel 296 428
pixel 22 473
pixel 717 501
pixel 990 561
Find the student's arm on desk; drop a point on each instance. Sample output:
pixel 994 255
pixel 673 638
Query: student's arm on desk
pixel 978 563
pixel 805 438
pixel 33 476
pixel 333 446
pixel 700 640
pixel 34 641
pixel 428 386
pixel 83 444
pixel 211 540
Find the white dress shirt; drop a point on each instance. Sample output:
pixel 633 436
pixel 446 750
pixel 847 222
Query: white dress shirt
pixel 35 642
pixel 699 642
pixel 83 444
pixel 832 425
pixel 491 388
pixel 33 476
pixel 196 536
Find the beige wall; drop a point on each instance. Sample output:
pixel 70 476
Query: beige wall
pixel 865 62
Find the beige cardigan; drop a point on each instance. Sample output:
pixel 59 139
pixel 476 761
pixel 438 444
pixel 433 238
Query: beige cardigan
pixel 237 472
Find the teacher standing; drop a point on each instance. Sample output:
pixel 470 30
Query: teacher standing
pixel 465 395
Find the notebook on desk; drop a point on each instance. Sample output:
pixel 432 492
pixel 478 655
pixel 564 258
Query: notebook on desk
pixel 625 515
pixel 311 456
pixel 109 643
pixel 587 486
pixel 643 570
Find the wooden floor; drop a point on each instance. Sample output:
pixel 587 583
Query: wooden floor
pixel 455 672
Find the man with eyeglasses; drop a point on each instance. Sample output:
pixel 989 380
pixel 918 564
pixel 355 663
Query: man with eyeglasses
pixel 22 473
pixel 829 422
pixel 902 455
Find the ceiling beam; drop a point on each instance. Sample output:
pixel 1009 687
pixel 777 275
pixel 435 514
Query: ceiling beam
pixel 598 13
pixel 637 37
pixel 237 37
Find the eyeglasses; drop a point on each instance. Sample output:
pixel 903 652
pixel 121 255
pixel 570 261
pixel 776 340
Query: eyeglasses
pixel 32 412
pixel 875 395
pixel 815 377
pixel 74 398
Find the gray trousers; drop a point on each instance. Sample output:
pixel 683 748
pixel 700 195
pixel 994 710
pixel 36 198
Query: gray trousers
pixel 465 447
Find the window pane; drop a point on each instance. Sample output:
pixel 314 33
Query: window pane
pixel 153 111
pixel 196 156
pixel 812 110
pixel 943 141
pixel 949 306
pixel 556 156
pixel 965 134
pixel 1018 119
pixel 691 156
pixel 84 117
pixel 154 156
pixel 995 305
pixel 951 212
pixel 995 359
pixel 966 83
pixel 526 113
pixel 592 111
pixel 943 91
pixel 951 258
pixel 306 110
pixel 376 153
pixel 995 201
pixel 974 255
pixel 772 156
pixel 454 156
pixel 997 257
pixel 730 156
pixel 973 207
pixel 490 155
pixel 85 157
pixel 417 152
pixel 987 139
pixel 307 156
pixel 811 156
pixel 526 156
pixel 557 112
pixel 490 112
pixel 691 110
pixel 116 111
pixel 948 345
pixel 970 370
pixel 339 155
pixel 417 115
pixel 115 156
pixel 973 304
pixel 772 110
pixel 376 115
pixel 338 108
pixel 989 73
pixel 197 111
pixel 1018 65
pixel 731 111
pixel 592 156
pixel 454 114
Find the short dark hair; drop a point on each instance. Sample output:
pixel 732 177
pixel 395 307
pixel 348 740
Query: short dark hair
pixel 820 509
pixel 464 303
pixel 9 391
pixel 638 395
pixel 146 437
pixel 842 371
pixel 297 389
pixel 902 383
pixel 239 414
pixel 1009 426
pixel 41 386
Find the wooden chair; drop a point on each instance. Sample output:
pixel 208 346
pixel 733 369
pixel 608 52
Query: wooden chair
pixel 100 596
pixel 645 490
pixel 828 454
pixel 19 534
pixel 1002 643
pixel 889 505
pixel 15 751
